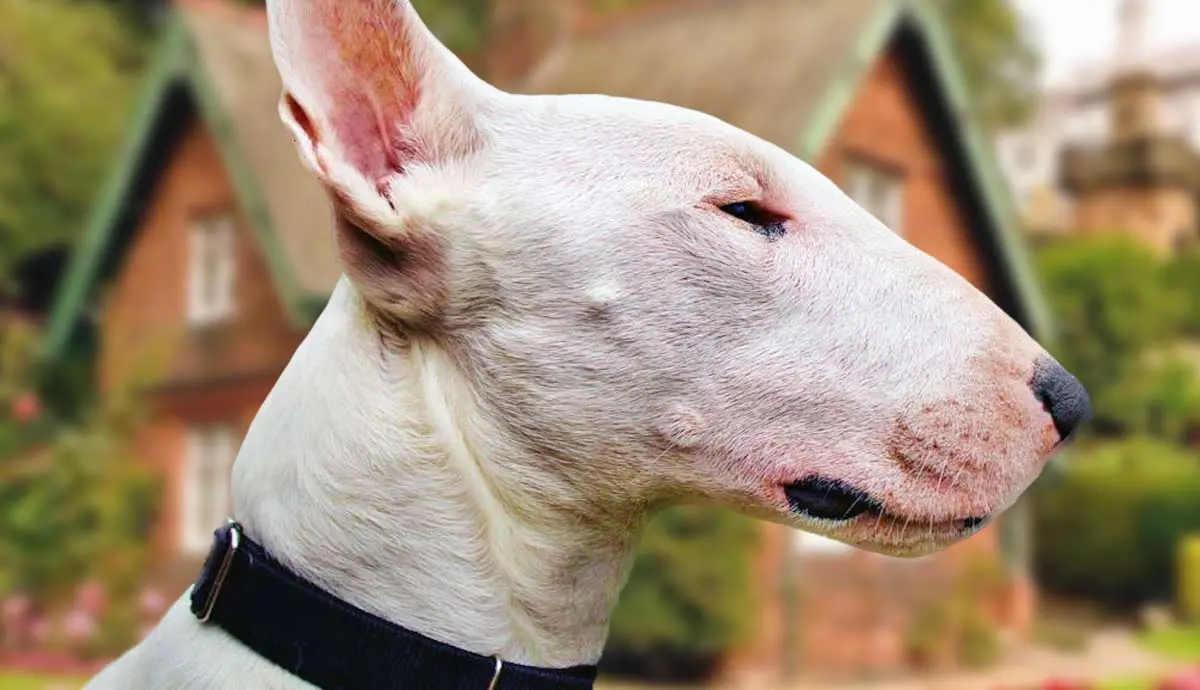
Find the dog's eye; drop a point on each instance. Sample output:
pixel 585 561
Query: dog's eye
pixel 765 223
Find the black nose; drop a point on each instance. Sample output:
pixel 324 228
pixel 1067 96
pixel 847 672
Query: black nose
pixel 1062 395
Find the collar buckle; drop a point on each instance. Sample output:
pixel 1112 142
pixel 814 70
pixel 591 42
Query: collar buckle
pixel 496 676
pixel 216 568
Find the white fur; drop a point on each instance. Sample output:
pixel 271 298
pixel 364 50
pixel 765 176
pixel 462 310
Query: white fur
pixel 572 336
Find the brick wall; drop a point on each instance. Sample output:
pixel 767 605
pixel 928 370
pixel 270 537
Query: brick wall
pixel 1160 217
pixel 195 376
pixel 144 320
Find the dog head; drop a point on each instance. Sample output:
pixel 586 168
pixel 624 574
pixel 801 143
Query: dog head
pixel 655 305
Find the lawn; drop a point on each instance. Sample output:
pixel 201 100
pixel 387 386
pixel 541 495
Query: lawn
pixel 1179 644
pixel 21 681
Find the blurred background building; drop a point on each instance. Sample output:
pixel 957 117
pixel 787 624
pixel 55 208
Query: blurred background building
pixel 1115 148
pixel 159 277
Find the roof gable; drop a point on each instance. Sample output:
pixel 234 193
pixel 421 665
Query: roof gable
pixel 217 65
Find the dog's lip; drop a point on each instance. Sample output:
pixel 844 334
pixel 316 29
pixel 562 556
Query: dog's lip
pixel 836 503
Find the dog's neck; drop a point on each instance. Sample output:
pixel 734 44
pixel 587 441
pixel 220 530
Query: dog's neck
pixel 360 473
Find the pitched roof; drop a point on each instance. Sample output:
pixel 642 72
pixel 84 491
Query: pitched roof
pixel 761 65
pixel 782 69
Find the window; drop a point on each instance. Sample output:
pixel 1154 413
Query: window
pixel 211 261
pixel 878 190
pixel 208 463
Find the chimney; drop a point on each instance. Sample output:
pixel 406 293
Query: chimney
pixel 1133 29
pixel 522 33
pixel 1135 90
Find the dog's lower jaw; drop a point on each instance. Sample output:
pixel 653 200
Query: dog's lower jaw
pixel 363 474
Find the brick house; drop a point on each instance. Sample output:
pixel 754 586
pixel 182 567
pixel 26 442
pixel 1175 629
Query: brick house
pixel 210 252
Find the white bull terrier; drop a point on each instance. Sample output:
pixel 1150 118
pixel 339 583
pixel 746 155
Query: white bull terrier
pixel 562 313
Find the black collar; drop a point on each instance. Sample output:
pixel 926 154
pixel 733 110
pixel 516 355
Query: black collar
pixel 335 646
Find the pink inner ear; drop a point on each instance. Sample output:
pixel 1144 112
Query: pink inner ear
pixel 366 61
pixel 371 136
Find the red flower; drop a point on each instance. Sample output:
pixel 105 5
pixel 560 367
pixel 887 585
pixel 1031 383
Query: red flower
pixel 91 598
pixel 1186 680
pixel 1066 684
pixel 26 407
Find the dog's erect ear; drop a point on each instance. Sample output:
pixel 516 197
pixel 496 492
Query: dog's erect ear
pixel 369 91
pixel 369 94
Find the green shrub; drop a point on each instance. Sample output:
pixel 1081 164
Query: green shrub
pixel 73 504
pixel 979 646
pixel 689 598
pixel 1162 399
pixel 1183 275
pixel 1189 579
pixel 928 639
pixel 1113 304
pixel 1109 525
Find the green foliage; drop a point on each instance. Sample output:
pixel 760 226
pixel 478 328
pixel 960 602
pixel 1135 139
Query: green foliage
pixel 1189 579
pixel 68 70
pixel 462 25
pixel 690 594
pixel 18 343
pixel 1176 644
pixel 79 509
pixel 72 503
pixel 1113 304
pixel 1109 525
pixel 1161 399
pixel 997 55
pixel 1184 277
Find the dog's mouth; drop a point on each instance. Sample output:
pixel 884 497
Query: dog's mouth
pixel 835 501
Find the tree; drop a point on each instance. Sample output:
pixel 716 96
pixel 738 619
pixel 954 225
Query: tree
pixel 72 505
pixel 68 71
pixel 1114 308
pixel 1184 277
pixel 994 47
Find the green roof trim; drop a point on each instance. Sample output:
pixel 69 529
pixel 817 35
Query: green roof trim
pixel 166 67
pixel 874 38
pixel 173 64
pixel 839 94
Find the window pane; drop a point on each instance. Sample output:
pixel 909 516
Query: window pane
pixel 211 268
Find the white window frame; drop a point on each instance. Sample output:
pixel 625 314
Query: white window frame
pixel 204 483
pixel 211 271
pixel 877 189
